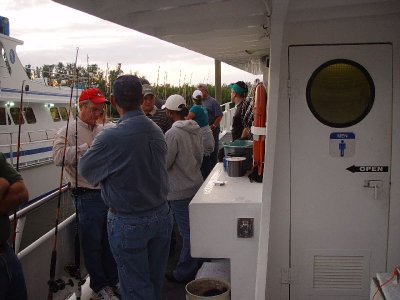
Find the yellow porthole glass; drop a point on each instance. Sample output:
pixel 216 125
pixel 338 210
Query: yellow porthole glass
pixel 340 93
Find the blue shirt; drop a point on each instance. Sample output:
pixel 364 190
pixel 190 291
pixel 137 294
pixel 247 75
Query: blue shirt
pixel 129 161
pixel 213 108
pixel 201 114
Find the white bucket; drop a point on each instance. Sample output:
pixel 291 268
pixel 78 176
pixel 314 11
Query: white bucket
pixel 208 289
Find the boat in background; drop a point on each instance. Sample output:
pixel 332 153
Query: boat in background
pixel 45 110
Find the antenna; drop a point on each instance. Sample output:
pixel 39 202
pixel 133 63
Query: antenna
pixel 88 72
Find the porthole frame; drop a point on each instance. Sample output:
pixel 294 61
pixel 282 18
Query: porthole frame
pixel 367 108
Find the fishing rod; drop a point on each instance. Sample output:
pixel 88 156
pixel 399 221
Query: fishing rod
pixel 59 284
pixel 106 81
pixel 88 71
pixel 165 86
pixel 20 119
pixel 75 271
pixel 179 82
pixel 109 84
pixel 158 76
pixel 184 87
pixel 190 85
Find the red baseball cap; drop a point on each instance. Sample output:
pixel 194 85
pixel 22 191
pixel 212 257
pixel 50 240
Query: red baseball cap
pixel 94 95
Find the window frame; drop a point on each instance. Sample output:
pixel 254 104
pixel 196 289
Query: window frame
pixel 367 109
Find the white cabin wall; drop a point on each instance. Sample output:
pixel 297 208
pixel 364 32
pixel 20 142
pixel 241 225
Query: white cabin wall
pixel 278 246
pixel 274 90
pixel 354 30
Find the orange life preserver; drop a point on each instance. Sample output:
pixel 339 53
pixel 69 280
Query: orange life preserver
pixel 259 123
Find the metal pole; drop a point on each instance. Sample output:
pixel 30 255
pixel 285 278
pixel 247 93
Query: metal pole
pixel 218 91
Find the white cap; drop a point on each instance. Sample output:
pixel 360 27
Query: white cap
pixel 174 102
pixel 196 94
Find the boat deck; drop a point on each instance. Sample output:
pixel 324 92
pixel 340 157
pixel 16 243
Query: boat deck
pixel 171 290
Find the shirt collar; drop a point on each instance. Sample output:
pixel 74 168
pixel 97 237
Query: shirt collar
pixel 241 102
pixel 87 126
pixel 153 111
pixel 131 113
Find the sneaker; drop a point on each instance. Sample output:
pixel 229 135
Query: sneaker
pixel 106 293
pixel 171 278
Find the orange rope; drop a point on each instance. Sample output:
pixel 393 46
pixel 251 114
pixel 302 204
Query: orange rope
pixel 395 273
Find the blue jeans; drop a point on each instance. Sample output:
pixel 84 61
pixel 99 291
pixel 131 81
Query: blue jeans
pixel 140 244
pixel 187 265
pixel 206 166
pixel 214 155
pixel 92 220
pixel 12 281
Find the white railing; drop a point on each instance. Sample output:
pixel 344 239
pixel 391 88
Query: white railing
pixel 22 213
pixel 226 121
pixel 44 138
pixel 36 257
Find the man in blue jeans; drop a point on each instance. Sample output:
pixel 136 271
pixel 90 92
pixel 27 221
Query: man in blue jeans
pixel 90 207
pixel 129 163
pixel 12 193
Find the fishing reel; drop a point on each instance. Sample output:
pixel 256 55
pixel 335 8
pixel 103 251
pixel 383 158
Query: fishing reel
pixel 59 284
pixel 73 271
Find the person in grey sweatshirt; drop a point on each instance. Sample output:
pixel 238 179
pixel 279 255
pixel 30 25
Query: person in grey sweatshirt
pixel 184 158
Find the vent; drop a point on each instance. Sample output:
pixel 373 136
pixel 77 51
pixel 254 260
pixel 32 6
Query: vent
pixel 338 272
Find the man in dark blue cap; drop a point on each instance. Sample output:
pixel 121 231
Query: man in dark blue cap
pixel 129 163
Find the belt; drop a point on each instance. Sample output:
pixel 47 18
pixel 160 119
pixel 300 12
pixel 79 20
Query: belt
pixel 82 190
pixel 139 214
pixel 118 212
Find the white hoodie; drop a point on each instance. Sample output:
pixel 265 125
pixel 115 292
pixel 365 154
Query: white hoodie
pixel 184 157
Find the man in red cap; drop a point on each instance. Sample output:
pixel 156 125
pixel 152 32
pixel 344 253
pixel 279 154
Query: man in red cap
pixel 90 207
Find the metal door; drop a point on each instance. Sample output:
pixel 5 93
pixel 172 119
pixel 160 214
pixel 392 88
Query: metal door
pixel 340 139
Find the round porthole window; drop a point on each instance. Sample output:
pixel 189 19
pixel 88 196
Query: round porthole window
pixel 340 93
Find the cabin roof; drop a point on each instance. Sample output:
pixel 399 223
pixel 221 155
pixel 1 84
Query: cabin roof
pixel 236 32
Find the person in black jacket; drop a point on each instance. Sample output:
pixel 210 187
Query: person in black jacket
pixel 13 192
pixel 238 95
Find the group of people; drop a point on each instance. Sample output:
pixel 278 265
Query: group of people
pixel 131 180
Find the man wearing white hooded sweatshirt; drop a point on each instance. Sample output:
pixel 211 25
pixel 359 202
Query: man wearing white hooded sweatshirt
pixel 184 158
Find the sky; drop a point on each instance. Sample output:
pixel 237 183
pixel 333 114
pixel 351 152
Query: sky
pixel 52 33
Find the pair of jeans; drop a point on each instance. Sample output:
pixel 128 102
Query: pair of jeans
pixel 214 154
pixel 206 166
pixel 12 281
pixel 187 266
pixel 92 225
pixel 140 243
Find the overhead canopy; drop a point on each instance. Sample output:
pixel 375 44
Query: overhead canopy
pixel 233 31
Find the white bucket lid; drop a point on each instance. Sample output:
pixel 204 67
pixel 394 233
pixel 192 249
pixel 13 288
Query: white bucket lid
pixel 234 158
